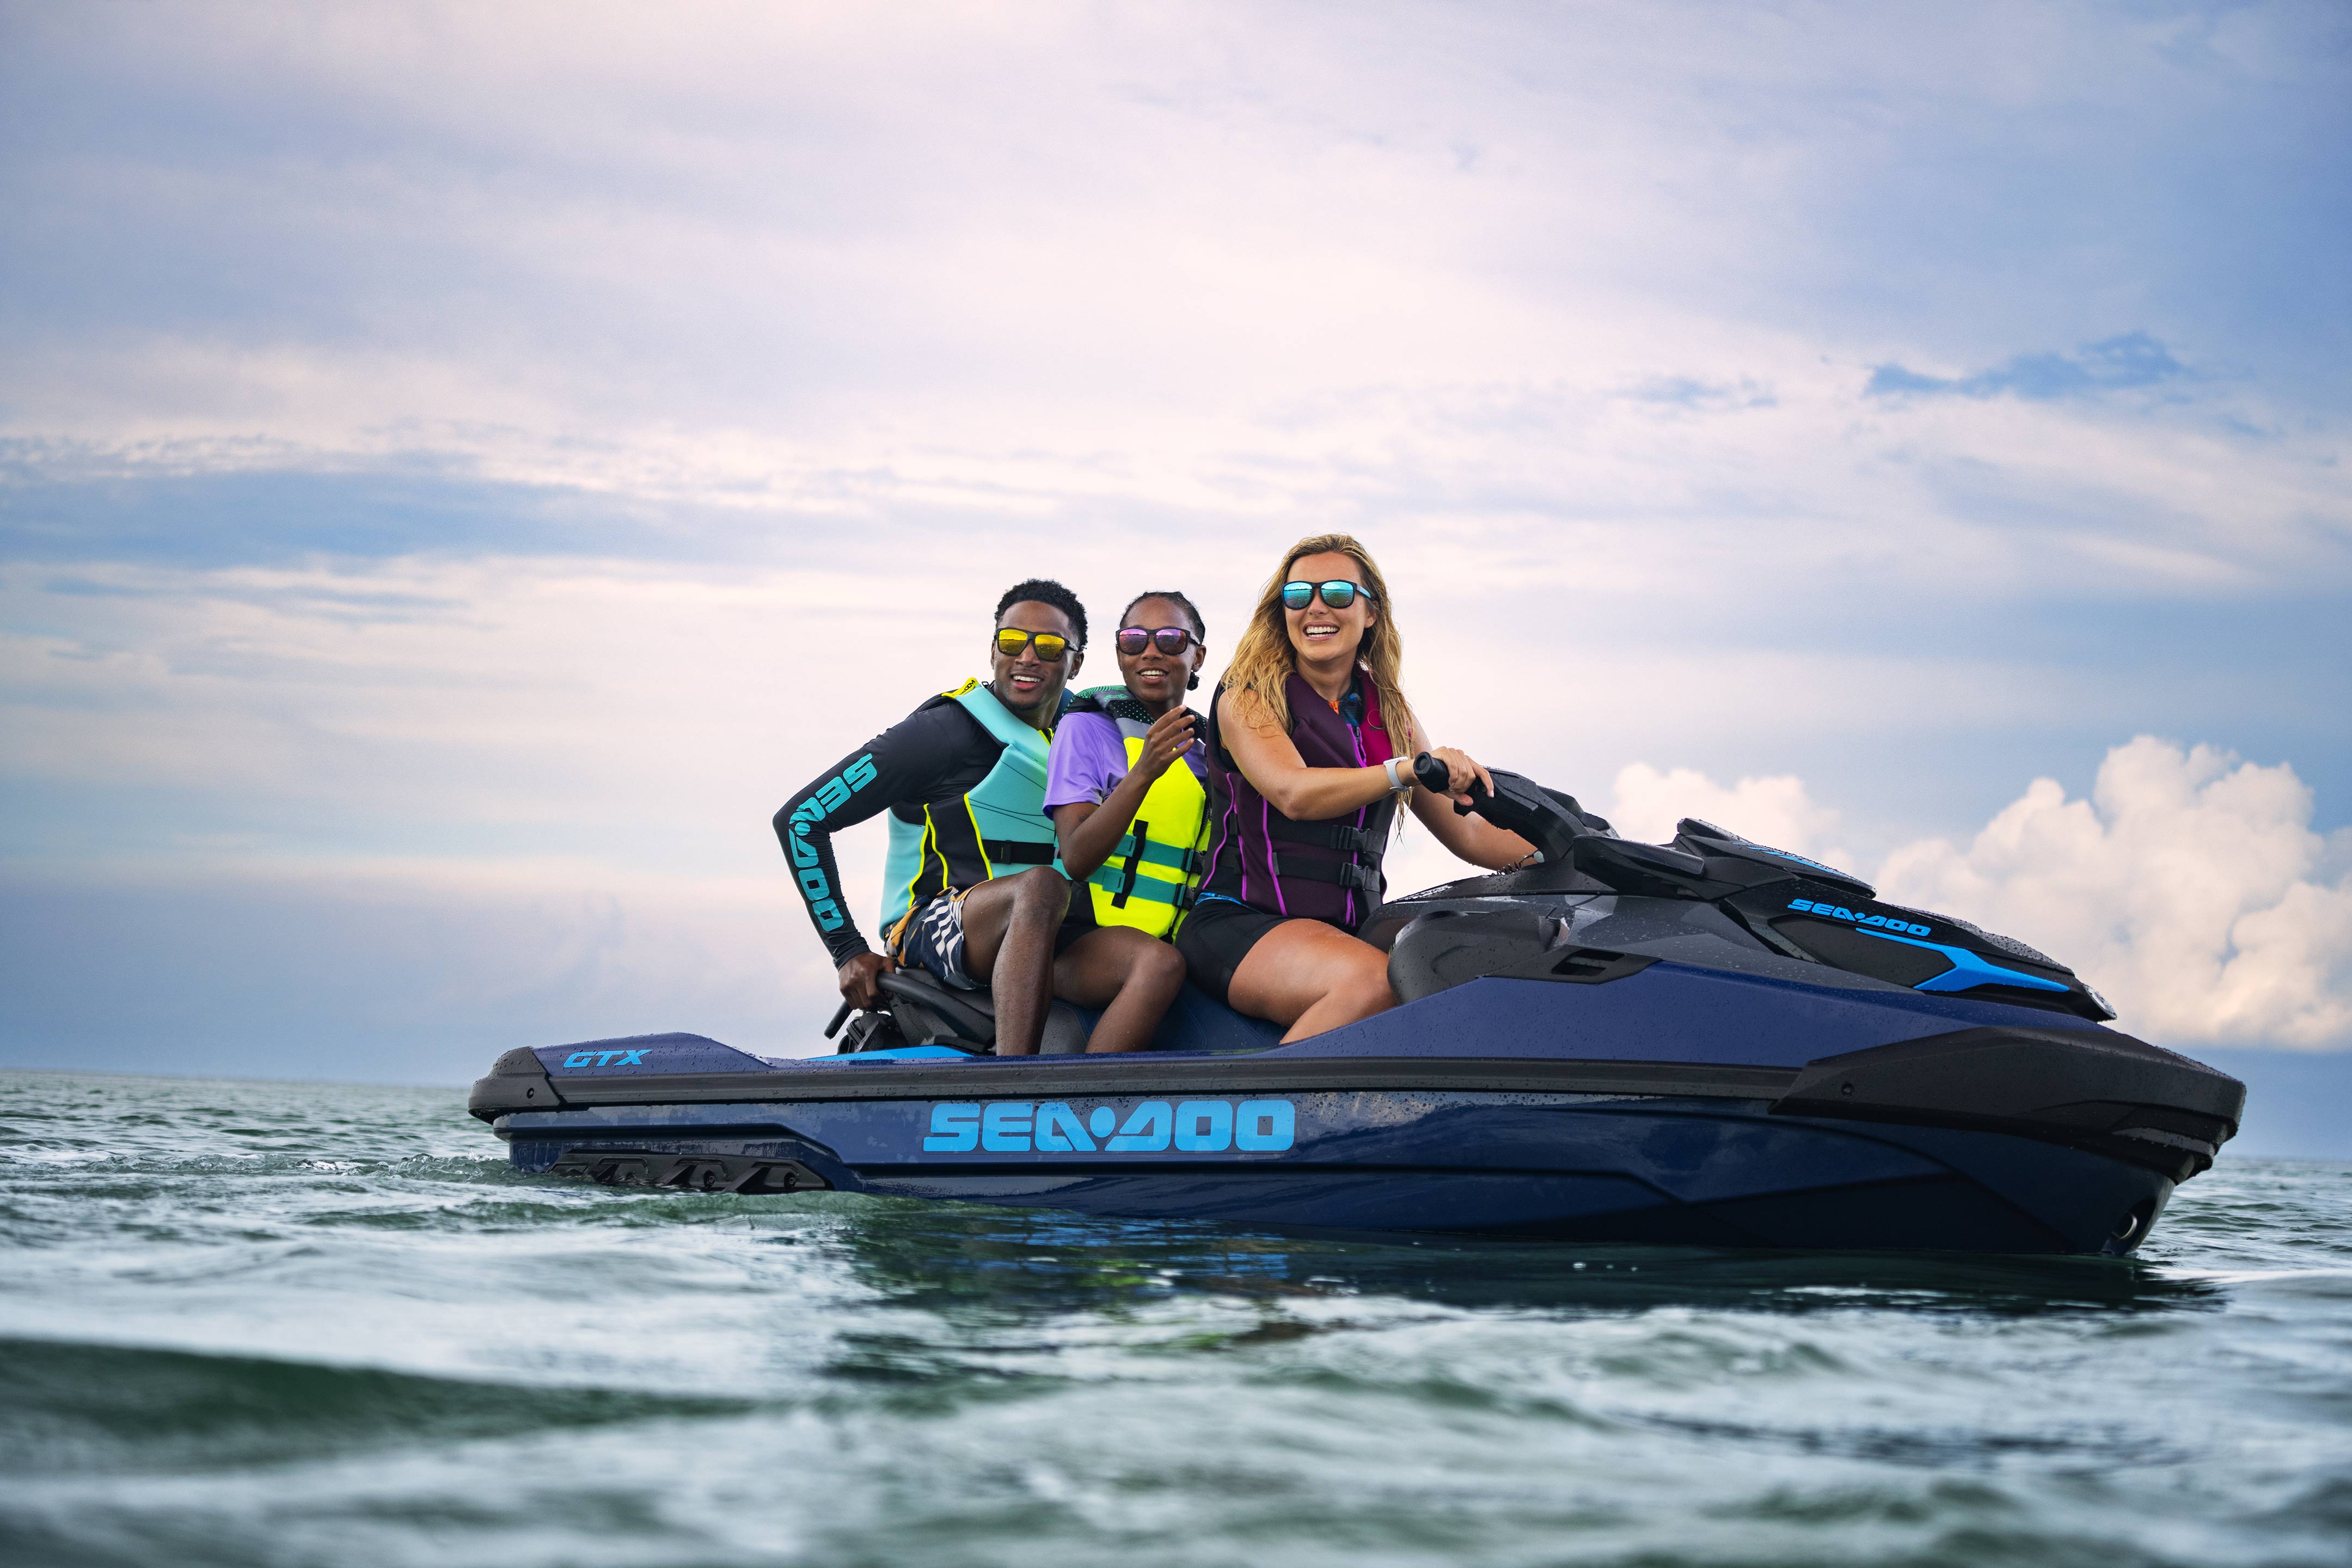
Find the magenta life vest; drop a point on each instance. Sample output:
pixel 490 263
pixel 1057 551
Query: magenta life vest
pixel 1322 871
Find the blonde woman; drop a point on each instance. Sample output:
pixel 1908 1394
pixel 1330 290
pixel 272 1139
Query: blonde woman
pixel 1310 752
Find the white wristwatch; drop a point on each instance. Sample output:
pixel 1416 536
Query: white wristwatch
pixel 1392 765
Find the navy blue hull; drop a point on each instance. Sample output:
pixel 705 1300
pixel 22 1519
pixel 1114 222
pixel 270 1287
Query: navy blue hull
pixel 1570 1167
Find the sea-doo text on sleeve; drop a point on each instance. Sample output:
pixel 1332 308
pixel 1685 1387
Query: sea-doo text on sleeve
pixel 907 761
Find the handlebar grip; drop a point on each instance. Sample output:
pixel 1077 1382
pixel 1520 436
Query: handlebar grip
pixel 1435 777
pixel 839 1018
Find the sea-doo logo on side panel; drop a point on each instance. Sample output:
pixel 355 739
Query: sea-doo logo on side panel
pixel 1837 912
pixel 606 1058
pixel 1154 1127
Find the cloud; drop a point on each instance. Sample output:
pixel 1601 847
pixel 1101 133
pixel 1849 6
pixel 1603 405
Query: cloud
pixel 1700 396
pixel 2189 887
pixel 2116 364
pixel 1778 810
pixel 861 268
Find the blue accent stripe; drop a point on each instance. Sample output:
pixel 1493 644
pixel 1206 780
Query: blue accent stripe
pixel 1968 969
pixel 897 1054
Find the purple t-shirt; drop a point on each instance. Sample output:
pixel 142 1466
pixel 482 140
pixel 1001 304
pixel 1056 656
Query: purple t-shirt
pixel 1088 759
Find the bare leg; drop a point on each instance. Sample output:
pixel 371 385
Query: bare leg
pixel 1008 941
pixel 1126 973
pixel 1311 977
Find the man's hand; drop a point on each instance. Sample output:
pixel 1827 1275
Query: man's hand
pixel 858 977
pixel 1171 736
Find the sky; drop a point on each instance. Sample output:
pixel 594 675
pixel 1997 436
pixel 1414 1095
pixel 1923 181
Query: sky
pixel 461 468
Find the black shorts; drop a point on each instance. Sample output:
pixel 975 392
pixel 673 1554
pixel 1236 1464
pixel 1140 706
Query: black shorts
pixel 1218 934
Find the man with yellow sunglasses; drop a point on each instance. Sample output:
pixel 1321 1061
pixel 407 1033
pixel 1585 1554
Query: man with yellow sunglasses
pixel 972 891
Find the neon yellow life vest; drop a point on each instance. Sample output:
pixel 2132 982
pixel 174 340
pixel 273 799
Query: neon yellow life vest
pixel 1150 877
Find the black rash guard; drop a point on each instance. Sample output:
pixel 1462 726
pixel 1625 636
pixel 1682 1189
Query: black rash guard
pixel 937 750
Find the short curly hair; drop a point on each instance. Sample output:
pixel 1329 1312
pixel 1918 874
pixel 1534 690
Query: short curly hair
pixel 1045 590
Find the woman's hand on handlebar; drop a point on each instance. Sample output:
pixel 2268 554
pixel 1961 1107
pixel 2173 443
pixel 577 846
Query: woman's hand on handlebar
pixel 1461 772
pixel 1444 774
pixel 858 979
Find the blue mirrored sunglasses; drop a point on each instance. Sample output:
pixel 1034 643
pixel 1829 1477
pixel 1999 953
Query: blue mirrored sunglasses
pixel 1338 593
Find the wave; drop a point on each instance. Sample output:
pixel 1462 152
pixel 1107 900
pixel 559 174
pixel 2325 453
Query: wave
pixel 74 1406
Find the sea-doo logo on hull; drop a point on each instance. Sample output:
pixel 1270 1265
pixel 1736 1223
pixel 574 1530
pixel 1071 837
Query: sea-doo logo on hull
pixel 1192 1126
pixel 1838 912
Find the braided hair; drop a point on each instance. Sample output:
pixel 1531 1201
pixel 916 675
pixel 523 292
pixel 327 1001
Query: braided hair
pixel 1192 611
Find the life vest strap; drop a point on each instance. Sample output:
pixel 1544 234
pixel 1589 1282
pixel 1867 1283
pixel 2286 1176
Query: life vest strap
pixel 1173 855
pixel 1337 835
pixel 1018 851
pixel 1150 890
pixel 1347 873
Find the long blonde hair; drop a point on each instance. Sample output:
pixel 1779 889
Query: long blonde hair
pixel 1263 660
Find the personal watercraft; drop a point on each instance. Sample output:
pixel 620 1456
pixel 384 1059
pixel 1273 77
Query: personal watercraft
pixel 1707 1042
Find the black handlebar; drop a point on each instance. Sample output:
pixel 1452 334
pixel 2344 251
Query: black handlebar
pixel 1437 779
pixel 1564 833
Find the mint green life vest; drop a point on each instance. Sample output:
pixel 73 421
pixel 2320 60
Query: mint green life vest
pixel 993 829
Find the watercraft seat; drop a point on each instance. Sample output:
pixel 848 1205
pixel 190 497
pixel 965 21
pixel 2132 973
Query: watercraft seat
pixel 922 1012
pixel 1445 947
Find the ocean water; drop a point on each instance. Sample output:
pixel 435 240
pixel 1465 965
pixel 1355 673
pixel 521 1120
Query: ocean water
pixel 259 1324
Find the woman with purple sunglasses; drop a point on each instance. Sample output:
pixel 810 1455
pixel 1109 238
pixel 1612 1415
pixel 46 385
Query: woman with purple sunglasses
pixel 1131 823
